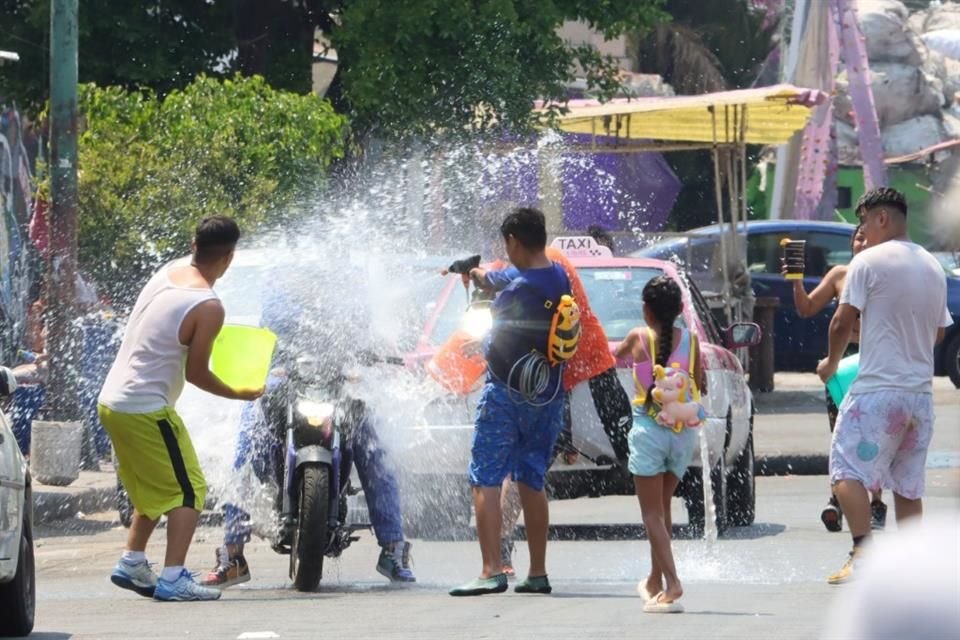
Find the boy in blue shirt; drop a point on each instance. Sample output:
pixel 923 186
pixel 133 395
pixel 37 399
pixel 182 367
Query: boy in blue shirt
pixel 517 427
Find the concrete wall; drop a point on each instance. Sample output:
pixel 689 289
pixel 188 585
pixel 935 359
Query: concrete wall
pixel 577 33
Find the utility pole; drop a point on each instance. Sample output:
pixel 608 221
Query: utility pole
pixel 62 264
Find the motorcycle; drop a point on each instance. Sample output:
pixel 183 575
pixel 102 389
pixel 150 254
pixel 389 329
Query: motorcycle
pixel 313 416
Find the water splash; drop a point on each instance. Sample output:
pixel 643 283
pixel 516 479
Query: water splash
pixel 373 246
pixel 710 532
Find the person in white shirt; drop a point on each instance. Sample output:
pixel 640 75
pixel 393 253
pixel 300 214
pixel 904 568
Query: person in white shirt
pixel 168 340
pixel 886 421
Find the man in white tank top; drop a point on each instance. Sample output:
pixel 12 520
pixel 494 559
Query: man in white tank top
pixel 167 342
pixel 886 421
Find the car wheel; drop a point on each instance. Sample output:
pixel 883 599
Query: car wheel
pixel 741 487
pixel 951 357
pixel 18 597
pixel 693 498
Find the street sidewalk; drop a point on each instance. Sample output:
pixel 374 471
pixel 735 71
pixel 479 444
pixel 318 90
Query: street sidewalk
pixel 792 436
pixel 93 491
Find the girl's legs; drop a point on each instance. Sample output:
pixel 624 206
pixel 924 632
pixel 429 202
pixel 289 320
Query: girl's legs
pixel 652 493
pixel 654 582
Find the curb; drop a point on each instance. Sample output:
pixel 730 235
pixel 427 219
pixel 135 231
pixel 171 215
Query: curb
pixel 792 465
pixel 50 506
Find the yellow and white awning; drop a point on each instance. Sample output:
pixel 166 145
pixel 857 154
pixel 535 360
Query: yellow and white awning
pixel 769 115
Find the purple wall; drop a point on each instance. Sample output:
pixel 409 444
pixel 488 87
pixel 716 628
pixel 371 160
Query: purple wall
pixel 618 191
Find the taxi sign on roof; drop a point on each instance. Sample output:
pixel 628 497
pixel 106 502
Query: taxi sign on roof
pixel 581 247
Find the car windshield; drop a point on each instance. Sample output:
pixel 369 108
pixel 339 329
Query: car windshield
pixel 615 295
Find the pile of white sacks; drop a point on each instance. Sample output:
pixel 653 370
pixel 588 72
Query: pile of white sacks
pixel 915 85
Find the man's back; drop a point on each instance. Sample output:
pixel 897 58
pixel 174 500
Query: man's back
pixel 521 318
pixel 900 291
pixel 147 373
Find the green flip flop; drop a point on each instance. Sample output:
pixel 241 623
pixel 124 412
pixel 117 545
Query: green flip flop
pixel 537 584
pixel 482 586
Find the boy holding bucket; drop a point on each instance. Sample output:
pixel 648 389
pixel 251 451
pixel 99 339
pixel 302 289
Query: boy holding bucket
pixel 168 341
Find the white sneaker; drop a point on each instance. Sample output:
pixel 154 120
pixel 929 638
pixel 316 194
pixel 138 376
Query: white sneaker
pixel 183 589
pixel 138 578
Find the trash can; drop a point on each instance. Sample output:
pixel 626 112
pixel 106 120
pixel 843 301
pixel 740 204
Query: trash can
pixel 55 452
pixel 761 356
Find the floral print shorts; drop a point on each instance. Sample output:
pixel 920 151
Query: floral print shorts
pixel 882 439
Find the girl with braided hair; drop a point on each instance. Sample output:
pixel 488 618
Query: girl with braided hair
pixel 659 455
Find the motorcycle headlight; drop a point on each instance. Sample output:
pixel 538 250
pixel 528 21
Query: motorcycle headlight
pixel 316 414
pixel 478 321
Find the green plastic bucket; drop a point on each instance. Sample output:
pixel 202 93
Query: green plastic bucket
pixel 242 355
pixel 840 383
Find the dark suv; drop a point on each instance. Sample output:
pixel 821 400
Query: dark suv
pixel 799 342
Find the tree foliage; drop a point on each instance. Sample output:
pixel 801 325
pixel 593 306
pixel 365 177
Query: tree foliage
pixel 708 46
pixel 150 168
pixel 406 66
pixel 423 65
pixel 161 45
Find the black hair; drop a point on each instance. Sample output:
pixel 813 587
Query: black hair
pixel 853 236
pixel 528 226
pixel 215 237
pixel 601 235
pixel 882 197
pixel 662 296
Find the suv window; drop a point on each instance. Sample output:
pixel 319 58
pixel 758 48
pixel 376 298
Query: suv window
pixel 700 256
pixel 763 252
pixel 825 251
pixel 703 311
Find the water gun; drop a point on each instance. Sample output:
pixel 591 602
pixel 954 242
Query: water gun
pixel 463 267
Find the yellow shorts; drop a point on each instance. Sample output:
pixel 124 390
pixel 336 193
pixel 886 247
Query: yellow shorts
pixel 156 460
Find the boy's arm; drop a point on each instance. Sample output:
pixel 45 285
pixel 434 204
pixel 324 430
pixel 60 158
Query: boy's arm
pixel 809 305
pixel 199 330
pixel 496 280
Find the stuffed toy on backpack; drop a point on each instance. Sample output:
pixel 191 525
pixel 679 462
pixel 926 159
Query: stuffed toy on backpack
pixel 675 393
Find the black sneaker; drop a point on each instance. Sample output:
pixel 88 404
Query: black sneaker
pixel 832 516
pixel 878 515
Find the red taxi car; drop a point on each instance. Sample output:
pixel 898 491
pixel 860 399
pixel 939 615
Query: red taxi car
pixel 614 287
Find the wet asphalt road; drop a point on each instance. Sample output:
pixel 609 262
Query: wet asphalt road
pixel 765 581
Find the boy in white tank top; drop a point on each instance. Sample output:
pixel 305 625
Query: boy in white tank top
pixel 167 342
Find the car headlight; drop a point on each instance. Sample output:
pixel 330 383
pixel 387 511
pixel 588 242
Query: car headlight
pixel 478 321
pixel 316 414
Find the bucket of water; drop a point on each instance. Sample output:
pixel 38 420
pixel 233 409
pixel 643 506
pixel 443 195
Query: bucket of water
pixel 456 371
pixel 242 355
pixel 840 383
pixel 794 257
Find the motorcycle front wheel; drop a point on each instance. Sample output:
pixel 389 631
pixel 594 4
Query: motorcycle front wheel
pixel 311 536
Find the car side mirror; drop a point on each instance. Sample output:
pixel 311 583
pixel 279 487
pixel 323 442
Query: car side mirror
pixel 743 334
